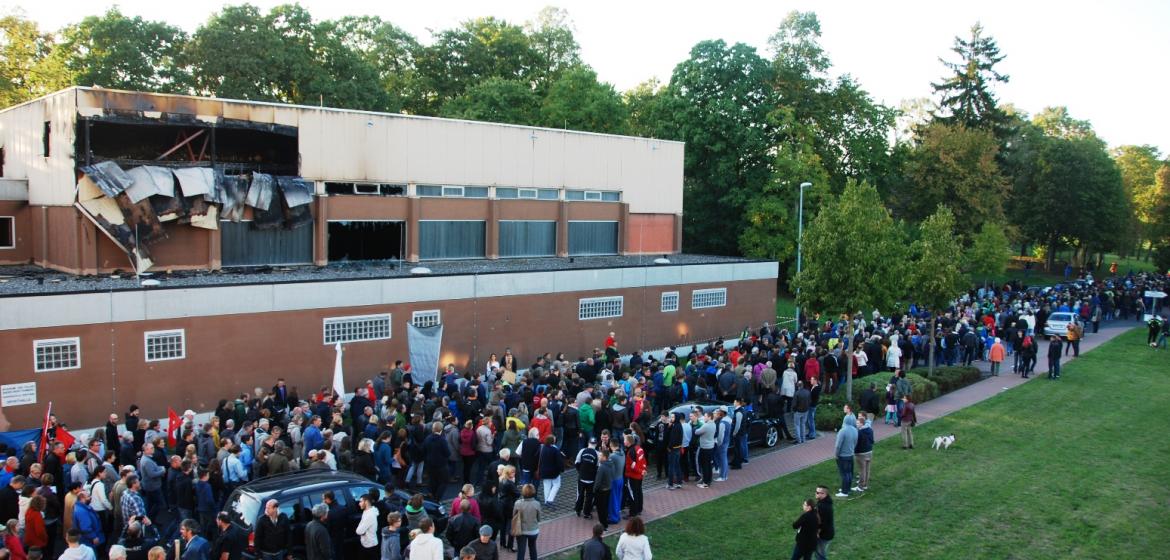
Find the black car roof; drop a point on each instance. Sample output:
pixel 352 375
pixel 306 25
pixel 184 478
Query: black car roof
pixel 300 479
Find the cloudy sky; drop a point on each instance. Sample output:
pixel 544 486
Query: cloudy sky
pixel 1105 61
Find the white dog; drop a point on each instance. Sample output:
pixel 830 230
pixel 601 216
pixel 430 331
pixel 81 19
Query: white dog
pixel 944 442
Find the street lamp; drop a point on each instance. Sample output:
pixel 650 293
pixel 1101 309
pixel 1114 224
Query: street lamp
pixel 799 239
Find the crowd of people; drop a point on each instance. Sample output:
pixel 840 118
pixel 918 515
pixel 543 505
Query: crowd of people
pixel 503 434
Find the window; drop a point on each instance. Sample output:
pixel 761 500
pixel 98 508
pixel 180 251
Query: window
pixel 600 307
pixel 430 190
pixel 243 245
pixel 611 196
pixel 538 194
pixel 669 302
pixel 165 345
pixel 574 195
pixel 528 238
pixel 438 239
pixel 506 192
pixel 549 194
pixel 57 354
pixel 357 328
pixel 527 193
pixel 369 189
pixel 475 192
pixel 592 195
pixel 593 238
pixel 715 297
pixel 603 196
pixel 7 232
pixel 45 137
pixel 453 191
pixel 422 319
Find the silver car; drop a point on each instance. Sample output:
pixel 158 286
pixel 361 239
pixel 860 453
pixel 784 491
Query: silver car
pixel 1058 323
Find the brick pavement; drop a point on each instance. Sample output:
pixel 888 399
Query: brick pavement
pixel 565 531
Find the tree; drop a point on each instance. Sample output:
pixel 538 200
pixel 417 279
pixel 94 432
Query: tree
pixel 577 101
pixel 1139 167
pixel 120 52
pixel 855 259
pixel 1056 122
pixel 935 277
pixel 989 252
pixel 495 100
pixel 956 165
pixel 647 110
pixel 385 47
pixel 965 97
pixel 237 54
pixel 551 37
pixel 718 102
pixel 25 70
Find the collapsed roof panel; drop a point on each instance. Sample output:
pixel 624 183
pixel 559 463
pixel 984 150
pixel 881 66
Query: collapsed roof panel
pixel 196 180
pixel 108 177
pixel 297 191
pixel 260 192
pixel 149 181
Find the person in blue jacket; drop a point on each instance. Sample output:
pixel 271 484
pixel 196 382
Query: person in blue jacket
pixel 384 458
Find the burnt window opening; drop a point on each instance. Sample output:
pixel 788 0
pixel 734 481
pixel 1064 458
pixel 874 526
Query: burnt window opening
pixel 45 138
pixel 2 154
pixel 244 245
pixel 236 149
pixel 366 241
pixel 7 232
pixel 368 189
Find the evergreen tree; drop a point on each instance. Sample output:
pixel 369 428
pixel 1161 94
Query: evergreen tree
pixel 965 97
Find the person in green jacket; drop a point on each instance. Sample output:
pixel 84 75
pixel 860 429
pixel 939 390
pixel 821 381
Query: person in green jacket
pixel 587 418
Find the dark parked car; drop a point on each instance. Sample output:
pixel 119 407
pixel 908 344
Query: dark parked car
pixel 297 493
pixel 761 431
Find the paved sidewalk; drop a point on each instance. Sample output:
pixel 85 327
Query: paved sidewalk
pixel 568 532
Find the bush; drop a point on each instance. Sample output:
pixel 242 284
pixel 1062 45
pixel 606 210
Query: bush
pixel 922 389
pixel 829 416
pixel 951 378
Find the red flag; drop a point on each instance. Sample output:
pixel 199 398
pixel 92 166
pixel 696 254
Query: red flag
pixel 65 437
pixel 173 424
pixel 45 434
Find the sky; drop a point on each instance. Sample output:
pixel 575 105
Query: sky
pixel 1105 61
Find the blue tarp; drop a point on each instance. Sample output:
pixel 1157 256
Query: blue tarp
pixel 16 440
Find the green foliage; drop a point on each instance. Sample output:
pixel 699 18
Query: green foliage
pixel 648 106
pixel 24 71
pixel 965 96
pixel 989 252
pixel 120 52
pixel 955 165
pixel 495 100
pixel 551 37
pixel 384 47
pixel 921 388
pixel 935 276
pixel 1056 122
pixel 577 101
pixel 950 378
pixel 855 255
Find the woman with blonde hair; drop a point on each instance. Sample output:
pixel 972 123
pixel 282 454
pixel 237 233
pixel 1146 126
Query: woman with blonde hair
pixel 506 496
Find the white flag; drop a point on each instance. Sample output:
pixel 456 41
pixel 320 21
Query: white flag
pixel 338 378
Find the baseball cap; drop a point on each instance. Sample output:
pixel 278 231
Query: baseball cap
pixel 485 531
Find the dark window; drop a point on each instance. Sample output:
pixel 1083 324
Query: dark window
pixel 593 238
pixel 7 232
pixel 365 241
pixel 374 189
pixel 451 240
pixel 241 245
pixel 45 138
pixel 528 239
pixel 2 162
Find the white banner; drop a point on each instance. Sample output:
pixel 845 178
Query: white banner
pixel 424 346
pixel 18 394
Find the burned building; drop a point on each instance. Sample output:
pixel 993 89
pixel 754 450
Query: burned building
pixel 265 233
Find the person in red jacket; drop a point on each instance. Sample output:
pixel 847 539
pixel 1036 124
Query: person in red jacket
pixel 542 421
pixel 35 534
pixel 634 471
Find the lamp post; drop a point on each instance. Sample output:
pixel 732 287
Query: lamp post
pixel 799 239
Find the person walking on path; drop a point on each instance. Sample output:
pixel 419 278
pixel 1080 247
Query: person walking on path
pixel 527 513
pixel 996 356
pixel 633 544
pixel 806 532
pixel 1054 348
pixel 845 445
pixel 863 452
pixel 908 419
pixel 825 529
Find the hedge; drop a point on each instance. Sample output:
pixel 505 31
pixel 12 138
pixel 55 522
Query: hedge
pixel 923 388
pixel 951 378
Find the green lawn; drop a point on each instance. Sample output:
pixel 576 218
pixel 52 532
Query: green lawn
pixel 1068 469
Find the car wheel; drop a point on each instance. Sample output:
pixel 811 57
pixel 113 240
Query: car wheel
pixel 772 437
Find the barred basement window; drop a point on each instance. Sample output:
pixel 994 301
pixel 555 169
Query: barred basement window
pixel 57 354
pixel 422 319
pixel 715 297
pixel 600 307
pixel 357 328
pixel 669 302
pixel 165 345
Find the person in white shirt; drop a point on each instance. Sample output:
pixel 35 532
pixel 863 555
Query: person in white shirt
pixel 633 544
pixel 894 357
pixel 425 546
pixel 367 529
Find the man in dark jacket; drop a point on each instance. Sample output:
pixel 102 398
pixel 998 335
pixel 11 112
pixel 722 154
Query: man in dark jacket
pixel 435 455
pixel 485 548
pixel 594 548
pixel 318 544
pixel 272 532
pixel 529 457
pixel 825 512
pixel 800 405
pixel 10 498
pixel 231 540
pixel 463 528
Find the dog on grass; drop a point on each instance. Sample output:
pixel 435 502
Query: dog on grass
pixel 944 442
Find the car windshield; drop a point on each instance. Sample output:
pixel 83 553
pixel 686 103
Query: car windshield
pixel 1061 317
pixel 244 509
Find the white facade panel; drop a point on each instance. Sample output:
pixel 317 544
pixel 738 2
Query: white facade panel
pixel 633 277
pixel 203 302
pixel 583 280
pixel 51 311
pixel 664 275
pixel 291 297
pixel 755 271
pixel 493 285
pixel 128 306
pixel 410 290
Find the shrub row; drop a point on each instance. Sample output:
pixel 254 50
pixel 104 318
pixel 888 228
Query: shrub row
pixel 924 387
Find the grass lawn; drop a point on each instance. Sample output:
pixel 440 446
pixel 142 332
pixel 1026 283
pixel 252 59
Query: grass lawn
pixel 1068 469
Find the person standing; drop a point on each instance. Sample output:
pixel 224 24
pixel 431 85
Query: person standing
pixel 800 406
pixel 908 420
pixel 595 548
pixel 825 529
pixel 230 540
pixel 273 535
pixel 602 483
pixel 195 547
pixel 318 545
pixel 617 466
pixel 704 429
pixel 806 532
pixel 1054 349
pixel 367 529
pixel 426 546
pixel 484 547
pixel 435 455
pixel 672 426
pixel 996 355
pixel 1074 334
pixel 528 513
pixel 633 544
pixel 863 452
pixel 635 470
pixel 507 496
pixel 550 466
pixel 845 444
pixel 586 463
pixel 814 400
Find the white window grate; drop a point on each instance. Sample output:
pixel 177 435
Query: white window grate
pixel 165 345
pixel 669 302
pixel 600 307
pixel 57 354
pixel 357 328
pixel 703 299
pixel 422 319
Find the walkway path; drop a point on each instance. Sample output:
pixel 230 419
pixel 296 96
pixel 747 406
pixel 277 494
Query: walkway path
pixel 568 532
